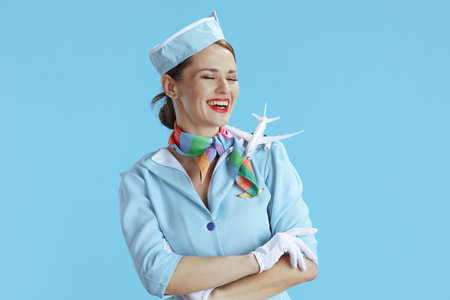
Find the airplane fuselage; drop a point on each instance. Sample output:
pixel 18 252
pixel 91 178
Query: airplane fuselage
pixel 257 134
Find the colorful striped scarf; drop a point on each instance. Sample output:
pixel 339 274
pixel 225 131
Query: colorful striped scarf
pixel 195 145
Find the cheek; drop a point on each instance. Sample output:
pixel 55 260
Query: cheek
pixel 195 96
pixel 201 92
pixel 235 91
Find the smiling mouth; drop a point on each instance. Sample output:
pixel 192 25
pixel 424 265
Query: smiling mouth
pixel 219 105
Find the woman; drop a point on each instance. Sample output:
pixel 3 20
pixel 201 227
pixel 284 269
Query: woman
pixel 201 220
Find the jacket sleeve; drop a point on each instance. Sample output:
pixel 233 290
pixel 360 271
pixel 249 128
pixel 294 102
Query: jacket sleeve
pixel 143 236
pixel 286 208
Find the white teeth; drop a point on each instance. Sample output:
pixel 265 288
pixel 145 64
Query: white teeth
pixel 221 103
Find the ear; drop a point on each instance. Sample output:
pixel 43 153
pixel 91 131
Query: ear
pixel 169 86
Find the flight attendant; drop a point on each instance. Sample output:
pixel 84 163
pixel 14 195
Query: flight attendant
pixel 200 219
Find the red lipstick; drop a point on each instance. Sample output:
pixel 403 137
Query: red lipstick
pixel 219 109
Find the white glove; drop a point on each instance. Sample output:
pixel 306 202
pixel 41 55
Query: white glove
pixel 269 253
pixel 200 295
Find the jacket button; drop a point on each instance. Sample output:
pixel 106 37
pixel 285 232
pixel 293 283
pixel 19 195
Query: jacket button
pixel 211 226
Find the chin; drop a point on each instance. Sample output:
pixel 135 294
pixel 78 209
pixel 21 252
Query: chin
pixel 222 121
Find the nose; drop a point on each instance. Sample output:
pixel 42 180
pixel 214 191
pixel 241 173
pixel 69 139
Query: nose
pixel 223 86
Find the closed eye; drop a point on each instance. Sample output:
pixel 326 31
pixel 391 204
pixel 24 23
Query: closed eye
pixel 209 77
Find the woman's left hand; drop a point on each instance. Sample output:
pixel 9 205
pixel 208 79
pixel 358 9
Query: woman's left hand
pixel 200 295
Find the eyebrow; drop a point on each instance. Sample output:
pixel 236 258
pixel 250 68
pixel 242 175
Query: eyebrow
pixel 214 70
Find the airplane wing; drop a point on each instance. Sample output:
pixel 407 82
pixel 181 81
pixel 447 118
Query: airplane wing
pixel 268 139
pixel 245 135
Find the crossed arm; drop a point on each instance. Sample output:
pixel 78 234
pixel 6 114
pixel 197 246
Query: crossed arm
pixel 268 283
pixel 236 277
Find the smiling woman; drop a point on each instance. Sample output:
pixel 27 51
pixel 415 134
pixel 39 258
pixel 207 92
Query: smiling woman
pixel 190 231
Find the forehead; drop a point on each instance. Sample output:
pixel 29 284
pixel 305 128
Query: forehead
pixel 213 57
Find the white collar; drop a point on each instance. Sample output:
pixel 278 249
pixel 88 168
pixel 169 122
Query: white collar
pixel 164 157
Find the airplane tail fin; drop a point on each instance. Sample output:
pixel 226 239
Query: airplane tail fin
pixel 264 116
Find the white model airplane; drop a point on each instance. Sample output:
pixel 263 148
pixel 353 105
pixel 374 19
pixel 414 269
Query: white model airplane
pixel 257 137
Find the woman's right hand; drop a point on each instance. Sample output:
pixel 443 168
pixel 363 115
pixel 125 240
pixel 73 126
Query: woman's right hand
pixel 269 253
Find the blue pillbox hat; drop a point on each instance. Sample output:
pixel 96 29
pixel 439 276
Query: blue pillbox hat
pixel 185 43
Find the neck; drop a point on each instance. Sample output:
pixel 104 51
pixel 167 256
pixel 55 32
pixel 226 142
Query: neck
pixel 207 132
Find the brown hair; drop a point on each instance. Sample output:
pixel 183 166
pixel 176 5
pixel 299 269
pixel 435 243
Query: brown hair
pixel 167 112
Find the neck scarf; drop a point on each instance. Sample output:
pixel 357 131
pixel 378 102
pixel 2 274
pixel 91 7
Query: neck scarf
pixel 195 145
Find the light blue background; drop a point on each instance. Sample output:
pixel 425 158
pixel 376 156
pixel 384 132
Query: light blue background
pixel 368 81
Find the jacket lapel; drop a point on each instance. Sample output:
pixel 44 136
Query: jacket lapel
pixel 169 169
pixel 222 181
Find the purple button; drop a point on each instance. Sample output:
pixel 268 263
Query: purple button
pixel 211 226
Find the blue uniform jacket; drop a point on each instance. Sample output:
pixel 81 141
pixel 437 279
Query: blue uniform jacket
pixel 157 200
